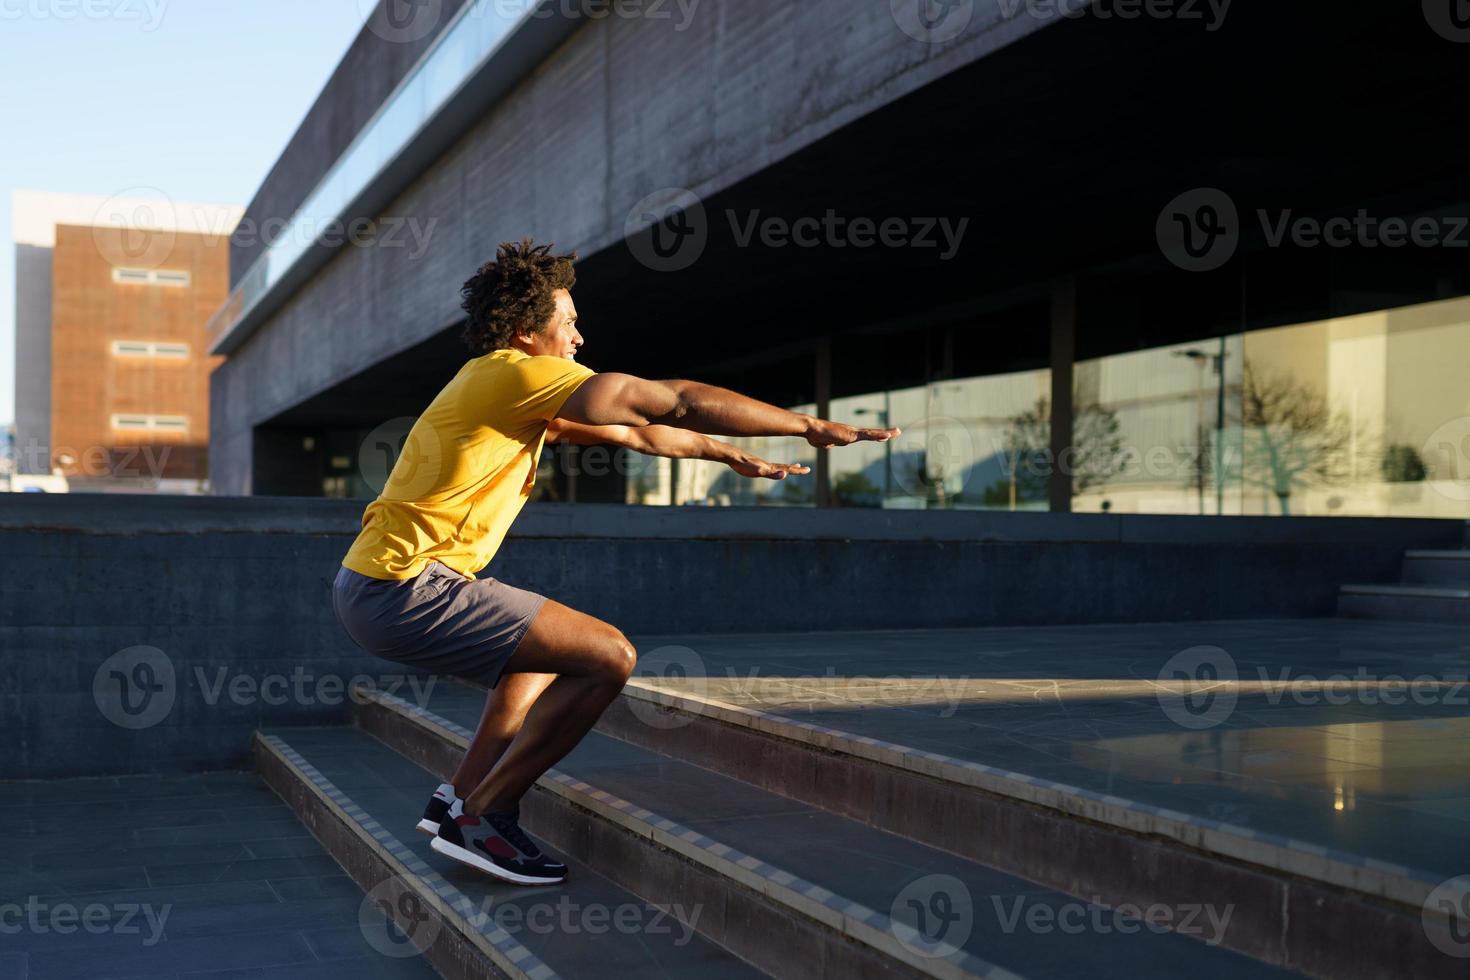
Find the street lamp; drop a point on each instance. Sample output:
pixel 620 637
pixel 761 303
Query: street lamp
pixel 882 414
pixel 1200 357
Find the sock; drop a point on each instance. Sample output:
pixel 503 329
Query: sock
pixel 446 792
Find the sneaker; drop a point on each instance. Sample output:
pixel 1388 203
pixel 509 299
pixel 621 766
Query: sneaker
pixel 437 809
pixel 496 845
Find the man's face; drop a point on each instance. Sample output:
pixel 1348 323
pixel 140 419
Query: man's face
pixel 560 338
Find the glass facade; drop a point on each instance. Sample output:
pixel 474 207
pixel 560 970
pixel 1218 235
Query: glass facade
pixel 1364 415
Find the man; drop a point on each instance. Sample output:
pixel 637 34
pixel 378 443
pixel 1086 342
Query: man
pixel 407 589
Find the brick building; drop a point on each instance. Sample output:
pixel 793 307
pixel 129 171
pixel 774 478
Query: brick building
pixel 112 372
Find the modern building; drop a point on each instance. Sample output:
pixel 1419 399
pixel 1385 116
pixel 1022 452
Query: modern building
pixel 112 367
pixel 1205 259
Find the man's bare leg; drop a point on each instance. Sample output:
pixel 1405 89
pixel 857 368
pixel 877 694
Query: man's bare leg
pixel 505 712
pixel 592 660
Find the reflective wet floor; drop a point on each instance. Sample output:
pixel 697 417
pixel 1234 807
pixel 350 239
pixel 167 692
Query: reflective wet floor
pixel 1351 735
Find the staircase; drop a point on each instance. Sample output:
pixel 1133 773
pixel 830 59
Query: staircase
pixel 1435 589
pixel 720 841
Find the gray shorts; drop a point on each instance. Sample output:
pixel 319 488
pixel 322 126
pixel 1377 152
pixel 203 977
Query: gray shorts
pixel 440 621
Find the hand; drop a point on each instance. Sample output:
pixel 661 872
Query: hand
pixel 755 467
pixel 825 434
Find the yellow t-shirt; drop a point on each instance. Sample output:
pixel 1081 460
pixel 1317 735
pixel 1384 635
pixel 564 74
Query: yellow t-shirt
pixel 467 467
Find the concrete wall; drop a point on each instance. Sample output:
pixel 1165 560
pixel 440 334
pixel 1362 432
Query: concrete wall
pixel 236 592
pixel 626 107
pixel 32 358
pixel 375 63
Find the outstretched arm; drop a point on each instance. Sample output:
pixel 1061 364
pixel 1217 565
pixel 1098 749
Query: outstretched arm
pixel 663 440
pixel 622 399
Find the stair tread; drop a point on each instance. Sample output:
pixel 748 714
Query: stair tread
pixel 393 791
pixel 870 866
pixel 1462 555
pixel 1408 591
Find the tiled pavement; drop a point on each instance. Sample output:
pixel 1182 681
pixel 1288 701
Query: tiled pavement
pixel 198 876
pixel 1084 705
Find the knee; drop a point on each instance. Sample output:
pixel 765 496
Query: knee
pixel 618 658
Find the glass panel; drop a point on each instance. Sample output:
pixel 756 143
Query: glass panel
pixel 1367 415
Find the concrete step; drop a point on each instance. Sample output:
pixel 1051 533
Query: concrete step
pixel 362 800
pixel 1442 568
pixel 1286 894
pixel 1410 603
pixel 845 893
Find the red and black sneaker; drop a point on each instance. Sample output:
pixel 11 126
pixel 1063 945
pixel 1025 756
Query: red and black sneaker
pixel 496 845
pixel 437 809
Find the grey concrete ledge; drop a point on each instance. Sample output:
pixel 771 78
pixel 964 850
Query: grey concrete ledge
pixel 106 514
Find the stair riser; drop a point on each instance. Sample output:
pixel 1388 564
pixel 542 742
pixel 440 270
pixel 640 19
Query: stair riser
pixel 1404 608
pixel 453 954
pixel 1279 919
pixel 1450 572
pixel 747 923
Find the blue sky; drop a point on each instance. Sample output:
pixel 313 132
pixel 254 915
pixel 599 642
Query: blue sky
pixel 194 97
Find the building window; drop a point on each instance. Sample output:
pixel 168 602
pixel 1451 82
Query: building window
pixel 150 423
pixel 151 277
pixel 150 348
